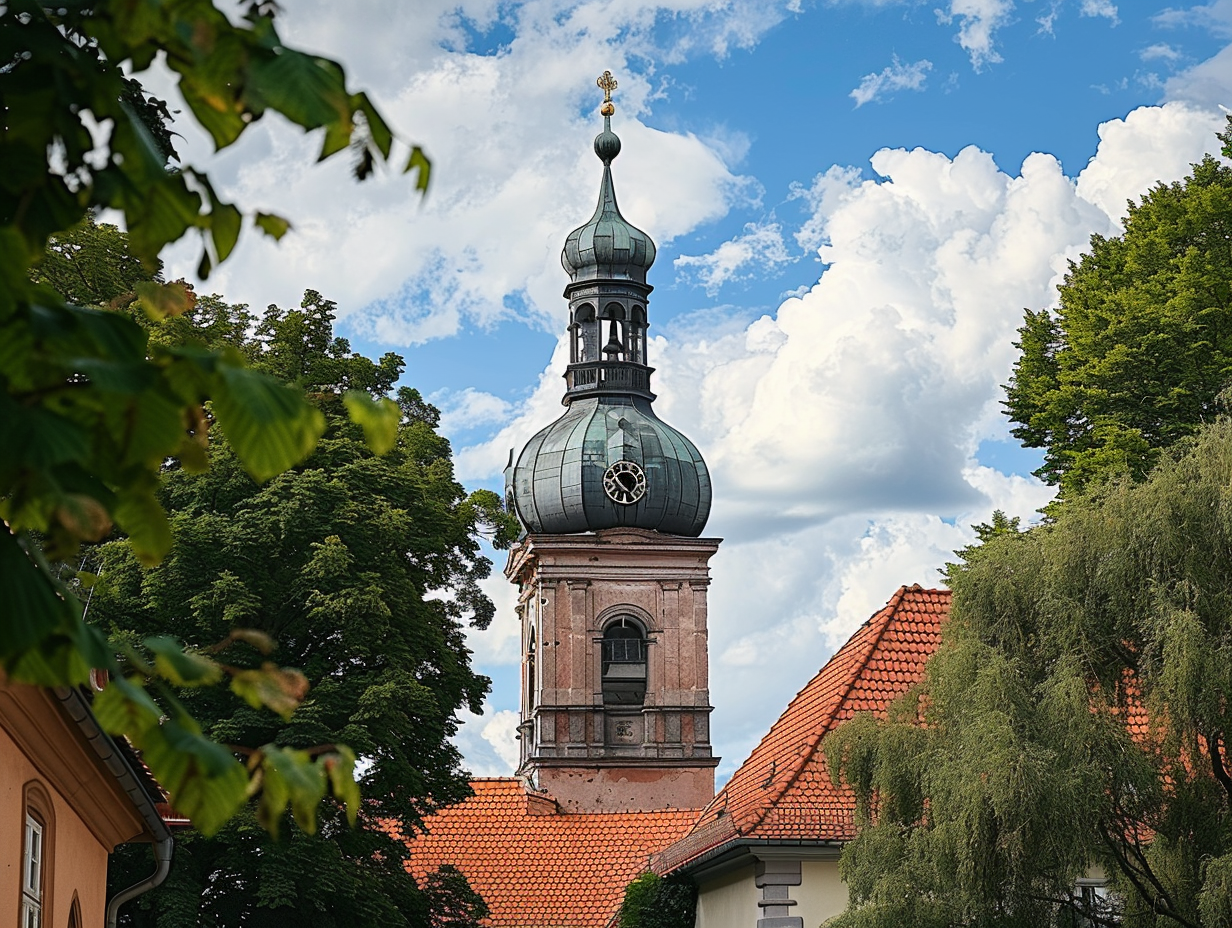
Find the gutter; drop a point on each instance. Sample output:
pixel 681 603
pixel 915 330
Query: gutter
pixel 73 702
pixel 733 852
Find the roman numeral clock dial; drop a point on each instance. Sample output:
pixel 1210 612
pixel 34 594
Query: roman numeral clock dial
pixel 624 483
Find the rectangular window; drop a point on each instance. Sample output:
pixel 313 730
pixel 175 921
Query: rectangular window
pixel 32 875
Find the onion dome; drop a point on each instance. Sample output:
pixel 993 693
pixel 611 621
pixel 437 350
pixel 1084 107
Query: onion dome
pixel 608 246
pixel 608 462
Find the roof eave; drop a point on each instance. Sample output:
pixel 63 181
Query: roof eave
pixel 738 852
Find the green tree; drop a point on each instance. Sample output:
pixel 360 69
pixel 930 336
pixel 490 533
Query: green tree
pixel 652 901
pixel 1077 716
pixel 1140 349
pixel 364 569
pixel 93 407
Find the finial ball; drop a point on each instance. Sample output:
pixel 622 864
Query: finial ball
pixel 607 146
pixel 607 109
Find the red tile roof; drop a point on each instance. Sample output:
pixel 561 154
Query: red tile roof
pixel 536 867
pixel 783 790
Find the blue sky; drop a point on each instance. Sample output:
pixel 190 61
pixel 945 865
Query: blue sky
pixel 853 201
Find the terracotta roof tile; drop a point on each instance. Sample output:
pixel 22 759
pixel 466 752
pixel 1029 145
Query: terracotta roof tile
pixel 536 870
pixel 784 790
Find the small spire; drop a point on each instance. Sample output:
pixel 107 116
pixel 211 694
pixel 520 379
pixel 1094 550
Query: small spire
pixel 607 142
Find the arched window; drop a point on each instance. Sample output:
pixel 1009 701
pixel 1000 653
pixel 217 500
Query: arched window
pixel 37 857
pixel 586 339
pixel 74 914
pixel 532 681
pixel 637 335
pixel 624 662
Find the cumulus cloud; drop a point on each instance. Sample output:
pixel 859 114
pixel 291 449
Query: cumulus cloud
pixel 1149 145
pixel 896 76
pixel 488 742
pixel 823 196
pixel 510 144
pixel 757 250
pixel 466 409
pixel 501 731
pixel 842 430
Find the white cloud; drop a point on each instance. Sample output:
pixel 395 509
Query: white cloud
pixel 1207 84
pixel 500 644
pixel 1160 51
pixel 841 430
pixel 1150 144
pixel 978 21
pixel 488 742
pixel 1215 17
pixel 511 160
pixel 1047 20
pixel 501 732
pixel 756 251
pixel 897 76
pixel 1105 8
pixel 468 409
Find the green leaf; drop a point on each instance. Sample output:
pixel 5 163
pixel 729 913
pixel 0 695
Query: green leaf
pixel 40 621
pixel 273 226
pixel 204 779
pixel 419 162
pixel 125 708
pixel 167 210
pixel 379 130
pixel 340 768
pixel 308 90
pixel 270 425
pixel 378 418
pixel 290 775
pixel 162 300
pixel 180 667
pixel 278 689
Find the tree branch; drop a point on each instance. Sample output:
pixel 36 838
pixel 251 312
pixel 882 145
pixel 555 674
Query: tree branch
pixel 1216 747
pixel 1119 851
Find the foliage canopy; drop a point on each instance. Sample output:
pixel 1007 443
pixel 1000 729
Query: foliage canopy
pixel 364 569
pixel 653 901
pixel 1140 349
pixel 93 405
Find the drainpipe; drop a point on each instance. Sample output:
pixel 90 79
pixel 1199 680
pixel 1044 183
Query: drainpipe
pixel 162 854
pixel 77 707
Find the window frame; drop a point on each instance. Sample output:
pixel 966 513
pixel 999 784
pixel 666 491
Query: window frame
pixel 34 907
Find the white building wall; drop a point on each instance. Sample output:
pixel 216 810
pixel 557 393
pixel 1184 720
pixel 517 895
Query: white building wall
pixel 729 901
pixel 821 893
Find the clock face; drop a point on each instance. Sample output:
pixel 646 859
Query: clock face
pixel 624 482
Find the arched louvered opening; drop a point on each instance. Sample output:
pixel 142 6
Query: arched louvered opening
pixel 624 662
pixel 617 346
pixel 584 335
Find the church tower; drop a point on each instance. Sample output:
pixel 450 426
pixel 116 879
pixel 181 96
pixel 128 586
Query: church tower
pixel 611 572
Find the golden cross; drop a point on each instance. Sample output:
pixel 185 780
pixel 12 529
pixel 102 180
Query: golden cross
pixel 607 84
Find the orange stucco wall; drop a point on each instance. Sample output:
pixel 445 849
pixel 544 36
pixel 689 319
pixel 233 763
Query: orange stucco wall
pixel 79 859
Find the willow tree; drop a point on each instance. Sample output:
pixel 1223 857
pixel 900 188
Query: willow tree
pixel 1078 718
